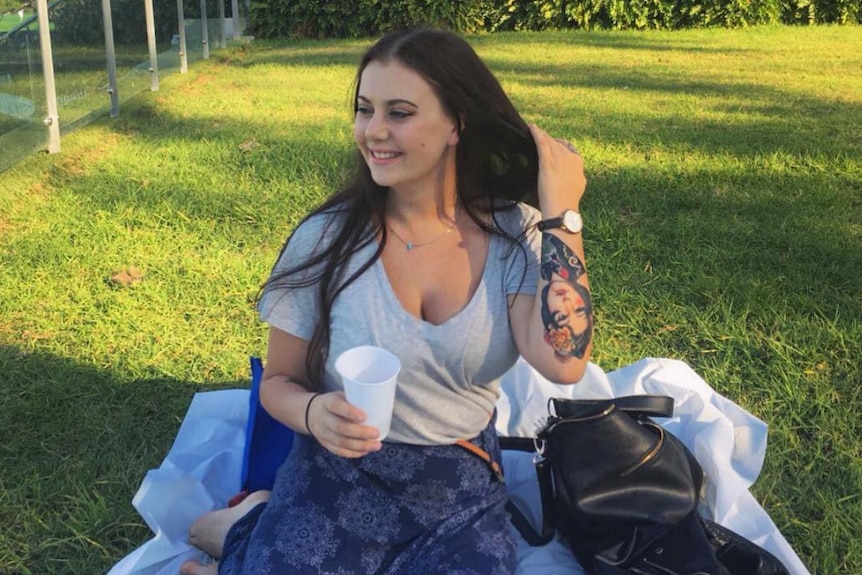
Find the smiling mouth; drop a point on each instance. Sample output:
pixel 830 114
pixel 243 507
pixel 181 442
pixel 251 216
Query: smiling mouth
pixel 384 155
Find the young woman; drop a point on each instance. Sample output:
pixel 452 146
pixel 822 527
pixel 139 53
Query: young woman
pixel 432 253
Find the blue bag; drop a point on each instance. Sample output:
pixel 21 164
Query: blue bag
pixel 267 441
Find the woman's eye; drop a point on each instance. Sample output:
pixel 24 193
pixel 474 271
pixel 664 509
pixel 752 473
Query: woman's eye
pixel 363 111
pixel 399 114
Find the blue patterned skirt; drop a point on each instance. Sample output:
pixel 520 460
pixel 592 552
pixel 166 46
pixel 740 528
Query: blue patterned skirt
pixel 404 510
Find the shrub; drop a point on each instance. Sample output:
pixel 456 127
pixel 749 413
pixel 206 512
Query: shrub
pixel 821 11
pixel 304 18
pixel 9 6
pixel 351 18
pixel 531 15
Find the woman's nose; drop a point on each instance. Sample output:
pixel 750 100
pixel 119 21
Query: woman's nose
pixel 376 129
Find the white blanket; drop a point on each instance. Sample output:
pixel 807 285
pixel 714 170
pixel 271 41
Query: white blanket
pixel 202 470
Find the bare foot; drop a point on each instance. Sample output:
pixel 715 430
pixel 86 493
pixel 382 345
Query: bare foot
pixel 209 531
pixel 195 568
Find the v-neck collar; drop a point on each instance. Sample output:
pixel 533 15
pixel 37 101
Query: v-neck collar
pixel 383 280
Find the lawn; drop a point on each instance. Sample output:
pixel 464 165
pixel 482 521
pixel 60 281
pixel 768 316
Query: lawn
pixel 10 20
pixel 723 228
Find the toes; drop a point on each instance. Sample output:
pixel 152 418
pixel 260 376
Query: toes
pixel 196 568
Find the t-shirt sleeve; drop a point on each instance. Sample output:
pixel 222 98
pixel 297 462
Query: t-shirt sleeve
pixel 296 310
pixel 522 266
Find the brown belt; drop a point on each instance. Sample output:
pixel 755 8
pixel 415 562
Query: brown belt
pixel 484 456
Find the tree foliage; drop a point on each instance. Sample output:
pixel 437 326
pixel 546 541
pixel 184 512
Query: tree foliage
pixel 7 6
pixel 353 18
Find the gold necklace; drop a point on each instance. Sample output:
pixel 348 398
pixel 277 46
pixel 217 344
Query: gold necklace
pixel 412 245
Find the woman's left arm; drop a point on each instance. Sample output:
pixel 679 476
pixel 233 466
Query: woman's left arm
pixel 553 330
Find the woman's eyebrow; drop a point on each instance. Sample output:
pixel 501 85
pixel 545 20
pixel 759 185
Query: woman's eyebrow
pixel 393 102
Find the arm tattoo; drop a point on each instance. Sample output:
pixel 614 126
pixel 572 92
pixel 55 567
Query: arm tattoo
pixel 567 310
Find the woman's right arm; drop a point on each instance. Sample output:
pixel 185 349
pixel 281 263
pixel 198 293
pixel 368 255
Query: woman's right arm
pixel 334 422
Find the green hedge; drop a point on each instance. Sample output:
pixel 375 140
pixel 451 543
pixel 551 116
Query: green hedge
pixel 353 18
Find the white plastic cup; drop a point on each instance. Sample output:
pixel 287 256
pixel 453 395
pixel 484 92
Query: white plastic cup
pixel 369 375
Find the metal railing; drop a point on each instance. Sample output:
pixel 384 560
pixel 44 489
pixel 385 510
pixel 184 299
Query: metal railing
pixel 69 62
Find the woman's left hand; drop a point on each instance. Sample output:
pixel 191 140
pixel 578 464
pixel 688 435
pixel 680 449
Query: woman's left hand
pixel 561 172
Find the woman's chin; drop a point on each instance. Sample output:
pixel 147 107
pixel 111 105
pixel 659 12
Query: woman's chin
pixel 383 179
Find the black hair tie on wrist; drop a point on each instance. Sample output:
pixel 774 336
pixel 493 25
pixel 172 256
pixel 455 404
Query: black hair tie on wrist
pixel 308 410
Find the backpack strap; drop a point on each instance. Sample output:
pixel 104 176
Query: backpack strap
pixel 634 405
pixel 546 493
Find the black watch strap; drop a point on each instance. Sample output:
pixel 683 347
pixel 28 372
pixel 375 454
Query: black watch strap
pixel 550 224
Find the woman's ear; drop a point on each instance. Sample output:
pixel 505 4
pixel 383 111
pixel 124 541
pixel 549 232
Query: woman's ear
pixel 455 136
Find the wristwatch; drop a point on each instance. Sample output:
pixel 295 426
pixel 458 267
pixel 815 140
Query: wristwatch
pixel 569 221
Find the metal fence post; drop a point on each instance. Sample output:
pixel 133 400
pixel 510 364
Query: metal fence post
pixel 222 42
pixel 151 43
pixel 205 29
pixel 181 20
pixel 234 10
pixel 52 120
pixel 111 57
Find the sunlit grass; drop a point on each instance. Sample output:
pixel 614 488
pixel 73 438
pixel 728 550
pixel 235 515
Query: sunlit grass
pixel 723 227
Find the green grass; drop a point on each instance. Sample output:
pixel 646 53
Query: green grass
pixel 723 228
pixel 10 20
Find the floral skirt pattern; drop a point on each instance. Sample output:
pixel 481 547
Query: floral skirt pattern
pixel 404 510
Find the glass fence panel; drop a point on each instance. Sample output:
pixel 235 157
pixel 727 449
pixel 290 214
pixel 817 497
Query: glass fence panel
pixel 80 62
pixel 216 30
pixel 214 27
pixel 80 70
pixel 133 67
pixel 167 39
pixel 244 9
pixel 22 89
pixel 132 52
pixel 134 73
pixel 194 40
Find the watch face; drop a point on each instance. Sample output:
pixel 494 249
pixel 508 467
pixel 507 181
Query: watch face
pixel 572 221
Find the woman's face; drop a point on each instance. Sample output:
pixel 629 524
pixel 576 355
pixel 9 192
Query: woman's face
pixel 401 128
pixel 567 307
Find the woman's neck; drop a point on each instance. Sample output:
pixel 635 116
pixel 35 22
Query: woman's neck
pixel 419 210
pixel 418 205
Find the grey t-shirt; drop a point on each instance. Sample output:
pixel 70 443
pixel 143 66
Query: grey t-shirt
pixel 450 375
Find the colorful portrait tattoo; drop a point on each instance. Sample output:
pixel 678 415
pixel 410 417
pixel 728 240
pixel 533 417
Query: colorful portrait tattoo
pixel 567 310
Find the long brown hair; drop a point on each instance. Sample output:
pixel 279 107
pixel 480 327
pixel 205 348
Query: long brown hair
pixel 496 165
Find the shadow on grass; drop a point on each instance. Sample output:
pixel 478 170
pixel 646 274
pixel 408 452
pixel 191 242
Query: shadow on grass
pixel 603 39
pixel 777 119
pixel 740 119
pixel 303 162
pixel 772 224
pixel 348 52
pixel 77 442
pixel 740 224
pixel 803 221
pixel 304 53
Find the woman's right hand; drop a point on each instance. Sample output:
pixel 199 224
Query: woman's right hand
pixel 337 426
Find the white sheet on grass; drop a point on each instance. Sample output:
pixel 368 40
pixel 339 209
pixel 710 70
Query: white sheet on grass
pixel 202 470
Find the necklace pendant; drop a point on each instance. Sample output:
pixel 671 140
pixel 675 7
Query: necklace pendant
pixel 409 246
